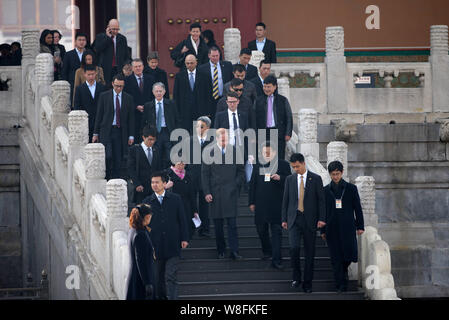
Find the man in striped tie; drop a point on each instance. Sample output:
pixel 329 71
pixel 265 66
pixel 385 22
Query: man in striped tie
pixel 219 73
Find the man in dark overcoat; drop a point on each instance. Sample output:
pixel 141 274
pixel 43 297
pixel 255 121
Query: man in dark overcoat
pixel 344 219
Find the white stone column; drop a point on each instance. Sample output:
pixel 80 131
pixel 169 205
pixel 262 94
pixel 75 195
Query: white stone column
pixel 308 132
pixel 284 87
pixel 367 192
pixel 117 204
pixel 439 61
pixel 78 124
pixel 338 151
pixel 232 45
pixel 337 88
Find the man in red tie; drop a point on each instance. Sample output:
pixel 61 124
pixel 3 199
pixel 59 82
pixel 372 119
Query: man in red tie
pixel 114 125
pixel 112 50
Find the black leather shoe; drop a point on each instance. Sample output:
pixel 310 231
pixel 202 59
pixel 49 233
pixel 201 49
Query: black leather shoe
pixel 266 257
pixel 295 284
pixel 307 290
pixel 235 256
pixel 221 256
pixel 277 265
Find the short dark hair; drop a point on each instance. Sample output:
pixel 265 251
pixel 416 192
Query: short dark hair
pixel 271 79
pixel 232 95
pixel 261 24
pixel 159 174
pixel 213 48
pixel 297 157
pixel 246 51
pixel 239 68
pixel 335 166
pixel 264 62
pixel 236 82
pixel 195 25
pixel 149 131
pixel 118 77
pixel 90 67
pixel 80 34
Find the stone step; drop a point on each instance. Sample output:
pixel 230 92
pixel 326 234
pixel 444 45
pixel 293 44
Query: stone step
pixel 247 252
pixel 251 286
pixel 243 264
pixel 355 295
pixel 250 274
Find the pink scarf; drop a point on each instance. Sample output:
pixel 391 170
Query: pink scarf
pixel 180 173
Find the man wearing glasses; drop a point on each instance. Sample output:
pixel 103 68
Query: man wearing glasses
pixel 112 50
pixel 114 125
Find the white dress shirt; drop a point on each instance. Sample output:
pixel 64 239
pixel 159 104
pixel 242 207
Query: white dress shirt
pixel 92 88
pixel 194 74
pixel 79 53
pixel 195 46
pixel 261 44
pixel 299 181
pixel 231 126
pixel 146 149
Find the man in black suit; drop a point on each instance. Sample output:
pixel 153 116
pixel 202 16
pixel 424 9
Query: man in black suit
pixel 143 160
pixel 112 50
pixel 87 96
pixel 264 70
pixel 162 114
pixel 237 86
pixel 186 92
pixel 249 91
pixel 303 212
pixel 245 58
pixel 198 141
pixel 72 61
pixel 159 75
pixel 344 217
pixel 169 234
pixel 114 125
pixel 139 85
pixel 266 190
pixel 221 184
pixel 217 73
pixel 263 44
pixel 194 44
pixel 273 111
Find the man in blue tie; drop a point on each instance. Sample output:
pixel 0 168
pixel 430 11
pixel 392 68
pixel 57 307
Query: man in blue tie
pixel 169 233
pixel 162 114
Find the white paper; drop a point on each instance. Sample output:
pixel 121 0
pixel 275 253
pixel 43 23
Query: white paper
pixel 196 221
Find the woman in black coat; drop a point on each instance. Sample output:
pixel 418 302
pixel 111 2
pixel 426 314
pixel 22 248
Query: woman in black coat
pixel 208 36
pixel 265 200
pixel 183 186
pixel 140 284
pixel 342 205
pixel 159 75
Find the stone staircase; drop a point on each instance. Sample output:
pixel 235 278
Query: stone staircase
pixel 202 276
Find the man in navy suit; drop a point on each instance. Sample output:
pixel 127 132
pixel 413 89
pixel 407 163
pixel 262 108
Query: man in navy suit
pixel 263 44
pixel 264 70
pixel 87 95
pixel 139 85
pixel 217 73
pixel 169 234
pixel 303 212
pixel 72 61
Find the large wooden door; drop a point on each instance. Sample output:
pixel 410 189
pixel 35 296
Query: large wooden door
pixel 173 19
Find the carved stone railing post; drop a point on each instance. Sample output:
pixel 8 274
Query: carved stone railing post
pixel 232 45
pixel 439 61
pixel 256 57
pixel 337 100
pixel 30 50
pixel 95 166
pixel 78 124
pixel 338 151
pixel 284 87
pixel 117 204
pixel 308 132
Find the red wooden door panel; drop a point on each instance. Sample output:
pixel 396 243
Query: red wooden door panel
pixel 173 19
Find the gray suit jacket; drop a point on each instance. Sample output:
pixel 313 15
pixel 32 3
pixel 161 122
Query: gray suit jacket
pixel 314 200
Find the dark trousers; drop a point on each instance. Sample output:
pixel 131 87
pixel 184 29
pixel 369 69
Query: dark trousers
pixel 340 269
pixel 166 278
pixel 164 145
pixel 203 212
pixel 295 232
pixel 232 235
pixel 114 154
pixel 273 247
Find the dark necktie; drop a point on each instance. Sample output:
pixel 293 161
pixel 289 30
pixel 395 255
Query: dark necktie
pixel 150 155
pixel 141 84
pixel 234 119
pixel 191 81
pixel 117 111
pixel 159 117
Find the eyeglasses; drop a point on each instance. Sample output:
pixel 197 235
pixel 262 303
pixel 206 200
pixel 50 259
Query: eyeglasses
pixel 238 90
